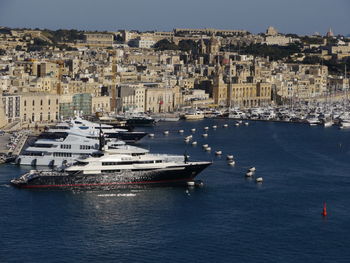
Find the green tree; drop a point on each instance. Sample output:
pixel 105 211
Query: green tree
pixel 165 44
pixel 188 45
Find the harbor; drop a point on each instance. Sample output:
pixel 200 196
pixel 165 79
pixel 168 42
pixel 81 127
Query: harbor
pixel 325 114
pixel 301 168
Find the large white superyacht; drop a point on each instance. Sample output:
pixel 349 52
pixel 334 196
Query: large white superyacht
pixel 117 167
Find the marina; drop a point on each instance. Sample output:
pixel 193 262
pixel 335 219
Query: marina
pixel 287 194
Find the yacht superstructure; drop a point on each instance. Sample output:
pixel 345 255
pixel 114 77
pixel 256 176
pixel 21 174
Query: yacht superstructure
pixel 58 149
pixel 81 127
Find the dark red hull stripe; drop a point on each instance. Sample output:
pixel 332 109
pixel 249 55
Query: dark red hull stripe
pixel 103 184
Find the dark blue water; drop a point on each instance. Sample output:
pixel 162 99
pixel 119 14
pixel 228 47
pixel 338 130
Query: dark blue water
pixel 230 219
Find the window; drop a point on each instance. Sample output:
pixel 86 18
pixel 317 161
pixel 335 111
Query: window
pixel 66 146
pixel 85 147
pixel 41 102
pixel 25 103
pixel 109 163
pixel 33 118
pixel 49 102
pixel 33 103
pixel 62 154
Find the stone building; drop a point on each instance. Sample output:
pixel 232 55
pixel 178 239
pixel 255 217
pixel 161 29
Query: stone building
pixel 159 99
pixel 250 94
pixel 11 107
pixel 131 97
pixel 99 39
pixel 100 104
pixel 219 88
pixel 39 107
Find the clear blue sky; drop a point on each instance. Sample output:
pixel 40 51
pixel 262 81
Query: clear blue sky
pixel 288 16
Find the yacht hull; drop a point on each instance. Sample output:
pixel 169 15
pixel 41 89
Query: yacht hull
pixel 176 175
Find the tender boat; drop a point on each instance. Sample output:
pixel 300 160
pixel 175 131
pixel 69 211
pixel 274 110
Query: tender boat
pixel 259 180
pixel 194 115
pixel 229 157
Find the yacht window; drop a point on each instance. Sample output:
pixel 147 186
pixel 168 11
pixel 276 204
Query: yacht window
pixel 66 146
pixel 62 128
pixel 80 163
pixel 42 145
pixel 109 163
pixel 85 147
pixel 62 154
pixel 146 162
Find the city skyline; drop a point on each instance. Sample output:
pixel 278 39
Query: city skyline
pixel 255 16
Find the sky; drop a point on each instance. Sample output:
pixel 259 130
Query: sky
pixel 287 16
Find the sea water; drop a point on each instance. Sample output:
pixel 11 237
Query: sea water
pixel 230 219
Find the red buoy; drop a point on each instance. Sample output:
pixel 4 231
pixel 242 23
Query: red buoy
pixel 324 211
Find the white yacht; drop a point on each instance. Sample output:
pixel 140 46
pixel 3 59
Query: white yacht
pixel 313 120
pixel 194 115
pixel 81 127
pixel 345 124
pixel 57 149
pixel 117 168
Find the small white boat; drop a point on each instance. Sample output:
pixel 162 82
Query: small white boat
pixel 194 115
pixel 193 130
pixel 225 125
pixel 208 149
pixel 229 157
pixel 259 180
pixel 205 145
pixel 181 131
pixel 240 122
pixel 218 152
pixel 249 174
pixel 328 124
pixel 151 135
pixel 246 123
pixel 252 169
pixel 194 143
pixel 237 124
pixel 206 128
pixel 231 162
pixel 215 126
pixel 166 132
pixel 191 183
pixel 186 140
pixel 345 124
pixel 205 135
